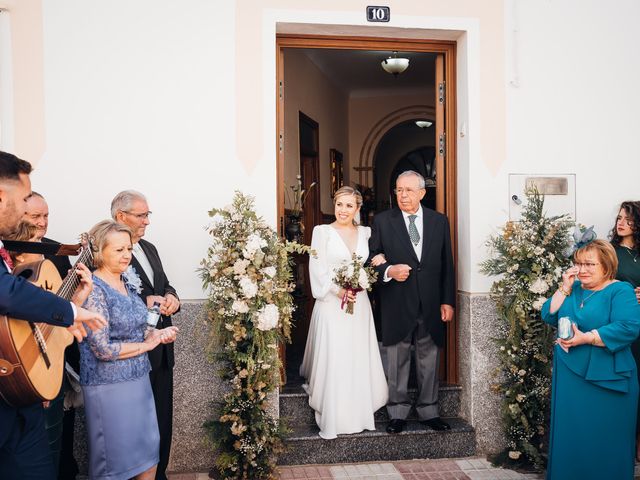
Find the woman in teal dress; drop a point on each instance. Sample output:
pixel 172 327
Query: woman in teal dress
pixel 625 238
pixel 594 392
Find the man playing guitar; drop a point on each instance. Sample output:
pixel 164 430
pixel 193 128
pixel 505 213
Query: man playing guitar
pixel 24 449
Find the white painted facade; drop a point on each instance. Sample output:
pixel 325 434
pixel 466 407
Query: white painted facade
pixel 177 100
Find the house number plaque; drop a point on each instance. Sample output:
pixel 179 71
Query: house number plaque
pixel 378 14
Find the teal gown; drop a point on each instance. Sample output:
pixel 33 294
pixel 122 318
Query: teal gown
pixel 594 391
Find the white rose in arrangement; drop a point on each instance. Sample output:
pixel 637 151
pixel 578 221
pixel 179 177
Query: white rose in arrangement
pixel 240 306
pixel 557 273
pixel 249 288
pixel 350 270
pixel 537 305
pixel 240 266
pixel 254 243
pixel 539 286
pixel 267 318
pixel 216 220
pixel 363 279
pixel 269 272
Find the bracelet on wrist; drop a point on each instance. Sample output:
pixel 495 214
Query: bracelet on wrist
pixel 564 291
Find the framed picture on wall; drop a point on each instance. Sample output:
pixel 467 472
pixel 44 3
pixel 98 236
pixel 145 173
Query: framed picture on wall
pixel 337 172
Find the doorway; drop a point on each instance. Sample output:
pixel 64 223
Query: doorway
pixel 360 163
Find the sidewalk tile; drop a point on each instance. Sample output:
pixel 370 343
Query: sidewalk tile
pixel 464 464
pixel 338 471
pixel 285 473
pixel 352 470
pixel 364 470
pixel 324 471
pixel 388 468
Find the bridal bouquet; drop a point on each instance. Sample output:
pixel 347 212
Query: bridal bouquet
pixel 354 277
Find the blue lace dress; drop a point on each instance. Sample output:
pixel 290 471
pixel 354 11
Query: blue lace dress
pixel 122 428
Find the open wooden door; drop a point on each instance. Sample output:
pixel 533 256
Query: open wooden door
pixel 445 196
pixel 445 138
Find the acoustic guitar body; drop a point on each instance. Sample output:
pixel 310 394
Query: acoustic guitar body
pixel 27 375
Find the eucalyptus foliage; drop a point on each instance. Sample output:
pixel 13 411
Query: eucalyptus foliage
pixel 248 277
pixel 529 256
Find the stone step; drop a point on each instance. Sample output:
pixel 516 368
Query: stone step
pixel 304 446
pixel 294 405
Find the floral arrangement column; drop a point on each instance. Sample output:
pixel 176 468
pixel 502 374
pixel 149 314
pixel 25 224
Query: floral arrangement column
pixel 529 256
pixel 246 271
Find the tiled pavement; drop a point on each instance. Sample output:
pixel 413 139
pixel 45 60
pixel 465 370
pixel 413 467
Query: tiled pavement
pixel 444 469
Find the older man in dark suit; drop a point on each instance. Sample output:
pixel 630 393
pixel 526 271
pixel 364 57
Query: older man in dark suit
pixel 59 422
pixel 24 450
pixel 130 208
pixel 417 295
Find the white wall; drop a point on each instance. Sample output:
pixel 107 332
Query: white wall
pixel 139 95
pixel 573 101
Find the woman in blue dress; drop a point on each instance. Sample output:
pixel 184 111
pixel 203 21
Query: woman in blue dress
pixel 122 427
pixel 594 392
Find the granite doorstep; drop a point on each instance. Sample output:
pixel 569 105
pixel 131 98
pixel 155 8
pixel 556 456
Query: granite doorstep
pixel 304 446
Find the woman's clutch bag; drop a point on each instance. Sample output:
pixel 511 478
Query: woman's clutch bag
pixel 565 332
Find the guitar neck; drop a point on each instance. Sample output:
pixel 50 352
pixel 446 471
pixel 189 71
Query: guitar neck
pixel 72 280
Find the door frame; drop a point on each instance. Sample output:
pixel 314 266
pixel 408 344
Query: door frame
pixel 446 48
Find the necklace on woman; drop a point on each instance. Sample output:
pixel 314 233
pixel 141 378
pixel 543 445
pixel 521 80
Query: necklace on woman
pixel 628 250
pixel 588 297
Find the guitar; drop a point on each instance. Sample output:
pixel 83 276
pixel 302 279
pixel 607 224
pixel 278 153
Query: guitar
pixel 32 354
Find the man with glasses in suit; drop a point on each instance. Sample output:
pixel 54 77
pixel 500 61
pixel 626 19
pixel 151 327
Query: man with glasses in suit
pixel 131 208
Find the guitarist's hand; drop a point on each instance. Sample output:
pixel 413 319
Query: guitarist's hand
pixel 85 287
pixel 86 318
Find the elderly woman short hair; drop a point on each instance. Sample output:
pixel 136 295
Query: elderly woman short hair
pixel 594 391
pixel 114 368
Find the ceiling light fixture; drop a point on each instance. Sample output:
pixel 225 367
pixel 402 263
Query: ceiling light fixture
pixel 395 64
pixel 424 123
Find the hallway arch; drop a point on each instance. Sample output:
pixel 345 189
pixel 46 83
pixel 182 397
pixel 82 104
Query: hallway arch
pixel 368 151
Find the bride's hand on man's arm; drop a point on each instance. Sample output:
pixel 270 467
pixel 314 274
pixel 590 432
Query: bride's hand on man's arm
pixel 378 260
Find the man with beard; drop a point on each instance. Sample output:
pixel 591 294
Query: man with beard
pixel 24 450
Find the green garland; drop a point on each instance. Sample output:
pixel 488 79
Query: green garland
pixel 248 276
pixel 530 256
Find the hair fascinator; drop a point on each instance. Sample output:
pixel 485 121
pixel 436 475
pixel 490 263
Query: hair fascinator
pixel 582 236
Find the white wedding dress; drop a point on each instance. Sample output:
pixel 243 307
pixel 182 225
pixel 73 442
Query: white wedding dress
pixel 342 367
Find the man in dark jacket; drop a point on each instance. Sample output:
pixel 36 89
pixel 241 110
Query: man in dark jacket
pixel 130 208
pixel 24 450
pixel 58 421
pixel 417 295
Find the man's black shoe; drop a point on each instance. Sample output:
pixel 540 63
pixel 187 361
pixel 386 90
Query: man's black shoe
pixel 436 424
pixel 396 425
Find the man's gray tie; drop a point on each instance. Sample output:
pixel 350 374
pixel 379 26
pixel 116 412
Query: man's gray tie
pixel 413 231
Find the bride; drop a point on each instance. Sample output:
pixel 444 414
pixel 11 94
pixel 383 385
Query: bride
pixel 342 367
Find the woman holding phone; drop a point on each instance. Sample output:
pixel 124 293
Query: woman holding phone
pixel 594 392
